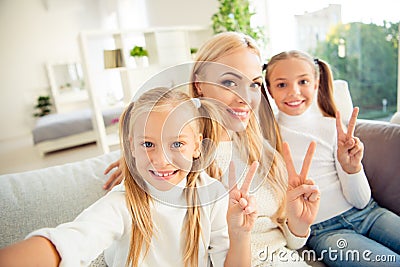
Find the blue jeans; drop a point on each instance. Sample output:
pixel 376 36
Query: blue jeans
pixel 367 237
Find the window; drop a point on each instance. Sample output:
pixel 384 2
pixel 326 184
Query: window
pixel 359 39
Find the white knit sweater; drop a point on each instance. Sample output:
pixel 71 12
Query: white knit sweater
pixel 339 191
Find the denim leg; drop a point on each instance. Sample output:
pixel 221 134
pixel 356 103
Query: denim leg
pixel 386 230
pixel 358 238
pixel 348 248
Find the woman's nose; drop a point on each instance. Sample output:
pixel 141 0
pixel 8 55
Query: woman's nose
pixel 244 95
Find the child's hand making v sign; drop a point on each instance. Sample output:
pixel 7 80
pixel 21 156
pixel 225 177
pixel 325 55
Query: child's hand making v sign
pixel 242 213
pixel 242 207
pixel 350 149
pixel 303 196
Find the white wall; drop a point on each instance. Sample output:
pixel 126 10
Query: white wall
pixel 180 12
pixel 33 32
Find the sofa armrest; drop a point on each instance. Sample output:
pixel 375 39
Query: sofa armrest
pixel 50 196
pixel 381 161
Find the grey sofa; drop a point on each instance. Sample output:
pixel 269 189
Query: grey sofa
pixel 50 196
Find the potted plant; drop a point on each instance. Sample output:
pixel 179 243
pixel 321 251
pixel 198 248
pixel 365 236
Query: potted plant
pixel 138 53
pixel 43 105
pixel 235 15
pixel 193 51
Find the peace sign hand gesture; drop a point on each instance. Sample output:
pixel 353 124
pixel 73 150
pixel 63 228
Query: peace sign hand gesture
pixel 242 208
pixel 303 196
pixel 350 149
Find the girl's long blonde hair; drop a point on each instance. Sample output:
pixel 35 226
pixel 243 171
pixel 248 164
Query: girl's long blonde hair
pixel 260 128
pixel 138 199
pixel 322 73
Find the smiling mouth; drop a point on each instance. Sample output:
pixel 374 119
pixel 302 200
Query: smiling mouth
pixel 294 103
pixel 239 114
pixel 163 175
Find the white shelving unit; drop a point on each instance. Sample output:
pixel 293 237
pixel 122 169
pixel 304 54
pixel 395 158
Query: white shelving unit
pixel 67 86
pixel 108 87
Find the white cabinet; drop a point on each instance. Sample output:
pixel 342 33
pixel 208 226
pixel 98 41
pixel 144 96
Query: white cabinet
pixel 117 86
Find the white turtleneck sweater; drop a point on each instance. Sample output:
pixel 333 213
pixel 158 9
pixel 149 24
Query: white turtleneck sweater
pixel 270 245
pixel 340 191
pixel 107 224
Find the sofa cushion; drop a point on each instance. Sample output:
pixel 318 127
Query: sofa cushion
pixel 381 161
pixel 50 196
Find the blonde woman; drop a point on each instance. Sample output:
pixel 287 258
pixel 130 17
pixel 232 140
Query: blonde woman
pixel 286 207
pixel 169 212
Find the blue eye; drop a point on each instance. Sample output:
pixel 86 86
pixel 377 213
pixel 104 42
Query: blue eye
pixel 177 144
pixel 255 85
pixel 228 83
pixel 147 144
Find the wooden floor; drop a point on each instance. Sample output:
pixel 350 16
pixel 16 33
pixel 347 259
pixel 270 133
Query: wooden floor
pixel 19 154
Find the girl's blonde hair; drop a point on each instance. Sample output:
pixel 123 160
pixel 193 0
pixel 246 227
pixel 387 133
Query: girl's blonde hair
pixel 137 198
pixel 322 73
pixel 261 128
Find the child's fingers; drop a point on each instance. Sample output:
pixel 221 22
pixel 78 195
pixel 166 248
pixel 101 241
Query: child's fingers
pixel 232 176
pixel 357 148
pixel 339 126
pixel 249 177
pixel 314 196
pixel 309 182
pixel 352 123
pixel 302 191
pixel 251 205
pixel 287 156
pixel 307 161
pixel 243 203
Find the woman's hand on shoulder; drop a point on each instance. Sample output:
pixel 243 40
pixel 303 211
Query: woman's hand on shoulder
pixel 116 177
pixel 350 149
pixel 303 196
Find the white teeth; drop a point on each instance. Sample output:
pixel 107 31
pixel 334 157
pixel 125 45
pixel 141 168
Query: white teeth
pixel 294 103
pixel 163 174
pixel 240 114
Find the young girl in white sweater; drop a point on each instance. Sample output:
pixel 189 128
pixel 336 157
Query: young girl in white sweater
pixel 168 212
pixel 348 221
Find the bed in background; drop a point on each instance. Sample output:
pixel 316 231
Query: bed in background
pixel 65 130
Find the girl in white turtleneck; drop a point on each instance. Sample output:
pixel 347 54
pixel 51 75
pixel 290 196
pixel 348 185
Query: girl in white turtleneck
pixel 349 222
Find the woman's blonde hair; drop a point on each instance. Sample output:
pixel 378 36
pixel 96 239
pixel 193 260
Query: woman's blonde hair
pixel 205 115
pixel 322 73
pixel 260 128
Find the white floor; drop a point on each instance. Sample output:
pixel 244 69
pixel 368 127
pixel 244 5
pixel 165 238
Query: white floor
pixel 19 154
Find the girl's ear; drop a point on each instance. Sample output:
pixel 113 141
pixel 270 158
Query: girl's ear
pixel 197 85
pixel 316 85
